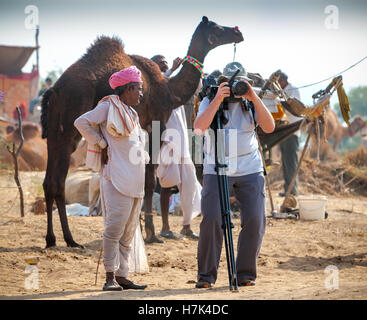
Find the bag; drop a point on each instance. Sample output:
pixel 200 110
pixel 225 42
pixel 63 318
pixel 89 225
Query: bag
pixel 138 261
pixel 168 170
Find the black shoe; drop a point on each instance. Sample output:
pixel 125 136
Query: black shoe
pixel 111 283
pixel 112 286
pixel 127 284
pixel 169 235
pixel 189 233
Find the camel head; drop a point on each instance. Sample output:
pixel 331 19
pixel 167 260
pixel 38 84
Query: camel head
pixel 207 36
pixel 357 124
pixel 214 35
pixel 29 130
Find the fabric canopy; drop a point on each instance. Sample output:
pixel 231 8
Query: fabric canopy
pixel 281 132
pixel 13 59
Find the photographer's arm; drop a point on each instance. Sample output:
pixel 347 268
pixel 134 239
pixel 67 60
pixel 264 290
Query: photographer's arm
pixel 264 117
pixel 203 121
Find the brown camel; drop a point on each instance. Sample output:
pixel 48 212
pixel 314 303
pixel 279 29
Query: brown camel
pixel 33 155
pixel 336 131
pixel 84 83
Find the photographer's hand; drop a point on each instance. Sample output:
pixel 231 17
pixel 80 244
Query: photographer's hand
pixel 203 121
pixel 223 92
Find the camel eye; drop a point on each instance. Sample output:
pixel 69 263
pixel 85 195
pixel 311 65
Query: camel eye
pixel 218 30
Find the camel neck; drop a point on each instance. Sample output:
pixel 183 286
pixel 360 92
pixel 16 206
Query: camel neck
pixel 185 83
pixel 197 48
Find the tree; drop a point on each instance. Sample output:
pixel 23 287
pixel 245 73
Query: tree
pixel 53 75
pixel 358 103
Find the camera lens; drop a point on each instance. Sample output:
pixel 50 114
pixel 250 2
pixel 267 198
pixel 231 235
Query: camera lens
pixel 239 88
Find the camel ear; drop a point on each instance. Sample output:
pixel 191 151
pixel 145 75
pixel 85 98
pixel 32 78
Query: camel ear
pixel 205 19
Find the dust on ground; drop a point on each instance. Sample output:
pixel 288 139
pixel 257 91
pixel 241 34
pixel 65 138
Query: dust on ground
pixel 324 259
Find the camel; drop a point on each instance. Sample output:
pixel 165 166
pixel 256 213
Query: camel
pixel 336 131
pixel 33 155
pixel 85 82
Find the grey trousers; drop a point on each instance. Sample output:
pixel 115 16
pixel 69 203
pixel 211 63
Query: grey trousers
pixel 121 218
pixel 250 192
pixel 289 149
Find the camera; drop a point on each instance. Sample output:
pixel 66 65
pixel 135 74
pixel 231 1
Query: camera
pixel 239 88
pixel 210 88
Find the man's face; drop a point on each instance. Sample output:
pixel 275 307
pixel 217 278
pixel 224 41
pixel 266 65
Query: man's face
pixel 283 83
pixel 162 63
pixel 135 94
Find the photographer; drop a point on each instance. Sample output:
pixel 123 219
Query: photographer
pixel 245 178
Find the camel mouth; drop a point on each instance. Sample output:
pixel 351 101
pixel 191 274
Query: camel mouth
pixel 238 34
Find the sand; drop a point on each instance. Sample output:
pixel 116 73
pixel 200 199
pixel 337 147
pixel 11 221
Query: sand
pixel 324 259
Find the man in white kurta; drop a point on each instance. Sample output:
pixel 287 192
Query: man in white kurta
pixel 188 185
pixel 122 175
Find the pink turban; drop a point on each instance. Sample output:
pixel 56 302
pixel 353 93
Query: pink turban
pixel 124 76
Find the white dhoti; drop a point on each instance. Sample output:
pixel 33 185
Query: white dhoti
pixel 121 219
pixel 190 191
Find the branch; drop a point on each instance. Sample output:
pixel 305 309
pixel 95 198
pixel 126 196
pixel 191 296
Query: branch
pixel 15 159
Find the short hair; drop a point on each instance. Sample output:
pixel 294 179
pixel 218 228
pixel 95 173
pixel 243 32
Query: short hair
pixel 121 89
pixel 157 57
pixel 48 80
pixel 283 76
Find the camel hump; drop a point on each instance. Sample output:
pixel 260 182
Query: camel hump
pixel 102 49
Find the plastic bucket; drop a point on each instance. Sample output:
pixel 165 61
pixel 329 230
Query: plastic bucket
pixel 312 208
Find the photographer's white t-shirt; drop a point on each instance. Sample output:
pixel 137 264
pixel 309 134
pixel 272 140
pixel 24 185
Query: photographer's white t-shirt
pixel 242 153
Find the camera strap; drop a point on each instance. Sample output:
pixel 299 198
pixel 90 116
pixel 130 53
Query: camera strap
pixel 247 105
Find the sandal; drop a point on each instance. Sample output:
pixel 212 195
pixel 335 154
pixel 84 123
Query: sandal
pixel 203 284
pixel 246 283
pixel 191 234
pixel 168 235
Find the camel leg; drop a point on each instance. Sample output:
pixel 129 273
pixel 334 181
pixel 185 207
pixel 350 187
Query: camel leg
pixel 64 161
pixel 148 201
pixel 50 237
pixel 54 188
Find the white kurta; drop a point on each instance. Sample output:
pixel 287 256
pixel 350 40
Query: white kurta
pixel 122 184
pixel 189 187
pixel 126 162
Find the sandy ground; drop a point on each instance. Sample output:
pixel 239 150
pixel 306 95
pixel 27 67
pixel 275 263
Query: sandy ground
pixel 293 262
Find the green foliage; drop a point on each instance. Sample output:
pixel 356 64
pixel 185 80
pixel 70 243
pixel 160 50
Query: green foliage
pixel 358 102
pixel 348 144
pixel 53 75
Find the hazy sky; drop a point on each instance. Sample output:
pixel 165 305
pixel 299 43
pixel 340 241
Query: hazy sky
pixel 295 36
